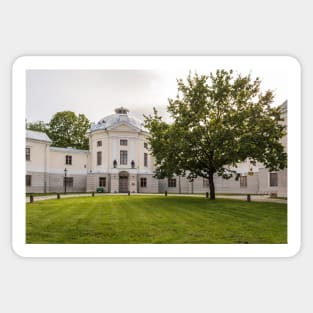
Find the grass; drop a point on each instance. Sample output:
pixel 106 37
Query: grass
pixel 155 219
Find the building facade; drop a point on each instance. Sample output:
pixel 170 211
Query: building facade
pixel 276 182
pixel 118 161
pixel 119 157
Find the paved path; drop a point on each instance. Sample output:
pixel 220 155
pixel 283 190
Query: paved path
pixel 256 198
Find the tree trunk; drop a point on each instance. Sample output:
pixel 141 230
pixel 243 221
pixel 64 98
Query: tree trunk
pixel 211 186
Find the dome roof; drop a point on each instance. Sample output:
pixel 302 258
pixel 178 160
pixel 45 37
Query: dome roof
pixel 121 116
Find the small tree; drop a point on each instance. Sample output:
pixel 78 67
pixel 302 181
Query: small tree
pixel 218 121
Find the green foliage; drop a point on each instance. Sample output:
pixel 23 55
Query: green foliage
pixel 66 129
pixel 218 121
pixel 37 126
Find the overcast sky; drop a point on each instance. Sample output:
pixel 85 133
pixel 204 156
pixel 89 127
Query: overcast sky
pixel 96 93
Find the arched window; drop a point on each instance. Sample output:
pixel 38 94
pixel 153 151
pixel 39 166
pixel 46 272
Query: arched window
pixel 132 164
pixel 114 163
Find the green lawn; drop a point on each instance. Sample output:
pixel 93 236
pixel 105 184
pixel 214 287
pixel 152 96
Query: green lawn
pixel 155 219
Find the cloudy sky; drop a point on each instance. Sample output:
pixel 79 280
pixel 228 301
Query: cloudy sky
pixel 96 93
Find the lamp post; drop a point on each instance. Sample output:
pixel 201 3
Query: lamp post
pixel 65 180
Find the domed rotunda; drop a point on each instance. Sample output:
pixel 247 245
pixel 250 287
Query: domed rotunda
pixel 119 159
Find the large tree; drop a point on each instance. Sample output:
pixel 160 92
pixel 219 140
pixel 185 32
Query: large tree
pixel 218 121
pixel 66 129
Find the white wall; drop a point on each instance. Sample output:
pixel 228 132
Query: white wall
pixel 57 162
pixel 38 155
pixel 111 150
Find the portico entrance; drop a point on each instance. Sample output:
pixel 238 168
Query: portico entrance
pixel 123 181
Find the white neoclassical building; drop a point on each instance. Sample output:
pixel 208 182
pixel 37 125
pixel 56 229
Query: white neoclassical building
pixel 118 161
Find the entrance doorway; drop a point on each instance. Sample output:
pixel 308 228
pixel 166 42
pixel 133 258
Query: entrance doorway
pixel 123 182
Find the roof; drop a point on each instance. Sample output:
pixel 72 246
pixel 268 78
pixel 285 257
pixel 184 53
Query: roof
pixel 69 149
pixel 37 135
pixel 121 116
pixel 284 107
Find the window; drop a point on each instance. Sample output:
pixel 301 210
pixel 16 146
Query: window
pixel 99 143
pixel 99 158
pixel 143 182
pixel 145 159
pixel 243 181
pixel 145 145
pixel 123 142
pixel 273 179
pixel 69 181
pixel 123 157
pixel 28 180
pixel 205 182
pixel 172 182
pixel 27 154
pixel 68 160
pixel 102 181
pixel 114 163
pixel 132 164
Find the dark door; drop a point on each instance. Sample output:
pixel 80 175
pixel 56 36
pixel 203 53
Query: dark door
pixel 123 184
